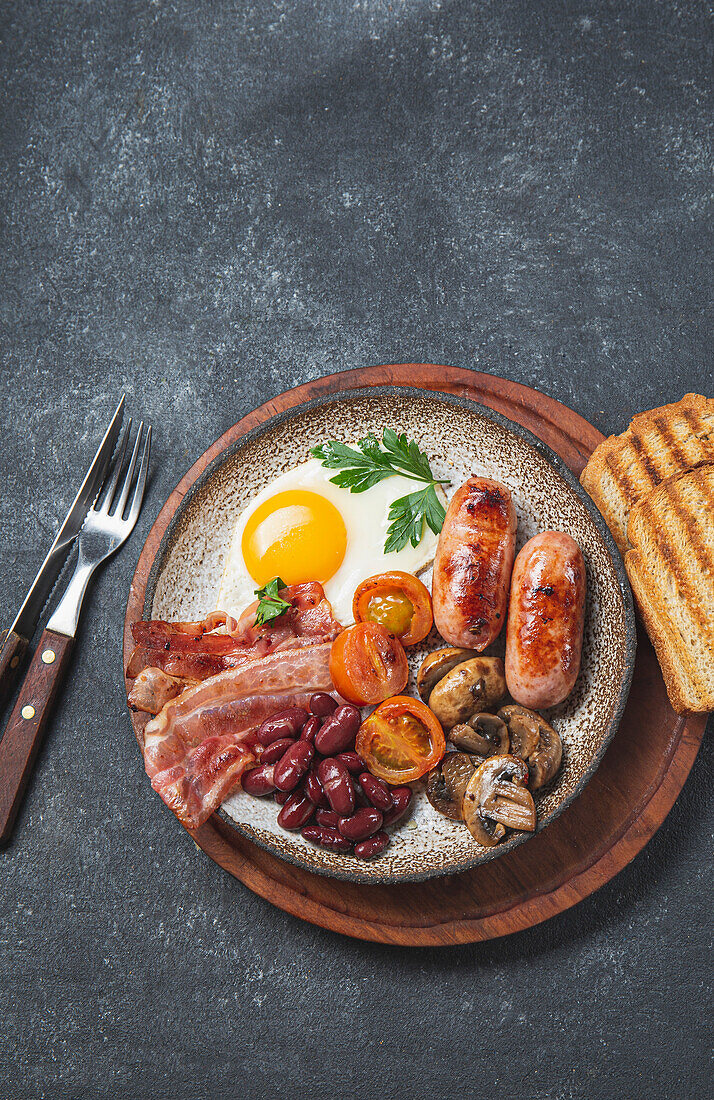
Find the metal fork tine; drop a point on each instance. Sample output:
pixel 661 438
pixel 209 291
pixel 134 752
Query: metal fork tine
pixel 116 470
pixel 129 474
pixel 138 496
pixel 104 531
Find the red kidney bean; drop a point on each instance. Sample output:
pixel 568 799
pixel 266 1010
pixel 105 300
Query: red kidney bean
pixel 367 849
pixel 361 824
pixel 313 789
pixel 352 761
pixel 327 817
pixel 327 838
pixel 272 753
pixel 360 797
pixel 292 766
pixel 281 797
pixel 259 781
pixel 296 812
pixel 337 785
pixel 322 705
pixel 377 791
pixel 310 728
pixel 401 801
pixel 286 723
pixel 338 731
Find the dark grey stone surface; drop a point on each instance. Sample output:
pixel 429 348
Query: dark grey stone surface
pixel 205 204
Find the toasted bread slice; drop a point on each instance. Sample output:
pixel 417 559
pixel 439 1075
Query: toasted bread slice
pixel 671 570
pixel 657 445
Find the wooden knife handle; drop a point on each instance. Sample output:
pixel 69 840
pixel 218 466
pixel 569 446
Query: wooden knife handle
pixel 26 726
pixel 13 648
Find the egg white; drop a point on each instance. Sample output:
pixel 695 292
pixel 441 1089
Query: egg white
pixel 365 516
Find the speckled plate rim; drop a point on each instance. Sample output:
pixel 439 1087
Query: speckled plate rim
pixel 630 640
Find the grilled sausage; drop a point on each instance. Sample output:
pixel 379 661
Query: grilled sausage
pixel 544 638
pixel 473 563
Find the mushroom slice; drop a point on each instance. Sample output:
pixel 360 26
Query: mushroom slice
pixel 535 741
pixel 447 783
pixel 471 686
pixel 523 727
pixel 496 799
pixel 484 734
pixel 434 667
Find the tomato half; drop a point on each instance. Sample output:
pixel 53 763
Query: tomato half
pixel 368 664
pixel 401 740
pixel 398 601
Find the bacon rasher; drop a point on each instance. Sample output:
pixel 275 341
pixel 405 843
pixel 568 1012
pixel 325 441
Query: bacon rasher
pixel 187 653
pixel 207 777
pixel 199 745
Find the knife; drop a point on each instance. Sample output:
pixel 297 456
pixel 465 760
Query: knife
pixel 17 639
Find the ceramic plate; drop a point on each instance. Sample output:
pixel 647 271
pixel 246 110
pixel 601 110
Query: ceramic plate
pixel 461 438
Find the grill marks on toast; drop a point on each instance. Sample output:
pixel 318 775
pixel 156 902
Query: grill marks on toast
pixel 648 471
pixel 665 445
pixel 671 569
pixel 666 522
pixel 698 412
pixel 657 445
pixel 610 497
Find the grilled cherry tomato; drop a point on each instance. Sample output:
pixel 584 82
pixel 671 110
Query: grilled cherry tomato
pixel 398 601
pixel 401 740
pixel 368 664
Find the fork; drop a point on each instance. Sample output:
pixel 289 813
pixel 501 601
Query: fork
pixel 103 532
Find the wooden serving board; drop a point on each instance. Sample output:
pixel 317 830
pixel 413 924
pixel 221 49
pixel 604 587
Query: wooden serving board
pixel 629 797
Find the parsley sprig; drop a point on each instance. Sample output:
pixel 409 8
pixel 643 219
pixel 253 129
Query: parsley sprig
pixel 371 463
pixel 270 604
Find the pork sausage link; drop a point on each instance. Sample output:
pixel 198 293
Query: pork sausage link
pixel 544 638
pixel 473 563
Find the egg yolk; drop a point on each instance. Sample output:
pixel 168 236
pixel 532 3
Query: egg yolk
pixel 296 535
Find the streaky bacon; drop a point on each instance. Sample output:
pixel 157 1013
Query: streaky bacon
pixel 196 651
pixel 206 777
pixel 222 713
pixel 172 735
pixel 235 696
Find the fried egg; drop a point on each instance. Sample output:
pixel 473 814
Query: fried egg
pixel 301 528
